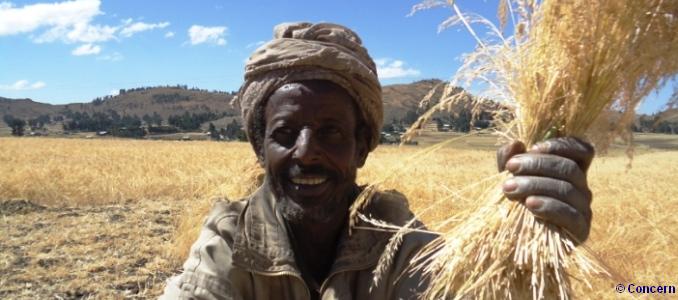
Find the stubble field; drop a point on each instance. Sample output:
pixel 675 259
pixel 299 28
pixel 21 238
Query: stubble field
pixel 114 218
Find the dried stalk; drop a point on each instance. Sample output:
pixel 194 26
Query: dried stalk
pixel 568 64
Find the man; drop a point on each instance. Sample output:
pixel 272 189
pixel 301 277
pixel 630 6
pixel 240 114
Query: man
pixel 312 108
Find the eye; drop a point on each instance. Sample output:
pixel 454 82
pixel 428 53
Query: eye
pixel 331 133
pixel 285 135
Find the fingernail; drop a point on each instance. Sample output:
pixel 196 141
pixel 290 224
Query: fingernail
pixel 513 165
pixel 536 148
pixel 533 203
pixel 510 185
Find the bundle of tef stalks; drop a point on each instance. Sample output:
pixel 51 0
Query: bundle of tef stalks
pixel 567 64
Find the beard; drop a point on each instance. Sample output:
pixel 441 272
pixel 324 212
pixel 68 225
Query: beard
pixel 335 204
pixel 294 213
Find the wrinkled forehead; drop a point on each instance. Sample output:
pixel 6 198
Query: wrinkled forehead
pixel 314 97
pixel 310 87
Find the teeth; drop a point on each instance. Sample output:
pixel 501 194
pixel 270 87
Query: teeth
pixel 309 181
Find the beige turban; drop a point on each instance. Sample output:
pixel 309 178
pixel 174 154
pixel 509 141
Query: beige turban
pixel 305 51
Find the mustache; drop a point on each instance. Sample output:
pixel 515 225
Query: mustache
pixel 311 170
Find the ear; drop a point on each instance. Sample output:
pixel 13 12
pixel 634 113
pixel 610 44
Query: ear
pixel 362 148
pixel 261 159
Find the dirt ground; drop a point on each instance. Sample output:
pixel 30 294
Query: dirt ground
pixel 97 252
pixel 121 251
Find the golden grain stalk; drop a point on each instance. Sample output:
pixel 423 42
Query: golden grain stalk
pixel 568 64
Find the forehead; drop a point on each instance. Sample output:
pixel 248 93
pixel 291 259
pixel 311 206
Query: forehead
pixel 311 101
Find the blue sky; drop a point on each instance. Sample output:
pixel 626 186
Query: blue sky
pixel 74 51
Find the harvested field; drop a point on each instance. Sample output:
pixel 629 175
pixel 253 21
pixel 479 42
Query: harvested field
pixel 103 218
pixel 104 251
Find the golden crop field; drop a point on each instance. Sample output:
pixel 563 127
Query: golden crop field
pixel 113 218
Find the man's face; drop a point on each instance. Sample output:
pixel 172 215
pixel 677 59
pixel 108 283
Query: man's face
pixel 311 152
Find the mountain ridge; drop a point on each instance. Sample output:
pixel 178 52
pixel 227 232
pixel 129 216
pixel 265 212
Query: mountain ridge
pixel 175 100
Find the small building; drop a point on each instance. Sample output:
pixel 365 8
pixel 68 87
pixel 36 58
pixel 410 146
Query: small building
pixel 389 138
pixel 446 127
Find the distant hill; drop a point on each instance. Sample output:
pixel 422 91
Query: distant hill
pixel 166 101
pixel 401 103
pixel 401 98
pixel 26 108
pixel 669 115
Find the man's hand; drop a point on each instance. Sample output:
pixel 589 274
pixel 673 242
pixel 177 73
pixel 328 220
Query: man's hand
pixel 550 180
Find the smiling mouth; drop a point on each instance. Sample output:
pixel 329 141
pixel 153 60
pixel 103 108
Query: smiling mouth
pixel 308 180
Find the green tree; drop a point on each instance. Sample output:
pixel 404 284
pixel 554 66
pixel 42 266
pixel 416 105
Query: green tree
pixel 462 121
pixel 16 124
pixel 646 123
pixel 214 133
pixel 439 124
pixel 147 119
pixel 157 119
pixel 39 122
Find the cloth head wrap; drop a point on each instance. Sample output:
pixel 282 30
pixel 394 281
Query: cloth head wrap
pixel 305 51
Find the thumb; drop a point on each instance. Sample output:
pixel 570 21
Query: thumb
pixel 507 151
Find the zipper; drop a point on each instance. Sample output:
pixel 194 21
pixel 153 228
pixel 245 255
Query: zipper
pixel 283 273
pixel 298 277
pixel 329 277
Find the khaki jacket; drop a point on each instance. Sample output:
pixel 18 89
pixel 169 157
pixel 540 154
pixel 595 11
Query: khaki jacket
pixel 243 252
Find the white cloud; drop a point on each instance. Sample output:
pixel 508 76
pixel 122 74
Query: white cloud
pixel 114 92
pixel 115 56
pixel 131 29
pixel 38 85
pixel 23 84
pixel 80 33
pixel 169 34
pixel 387 68
pixel 67 14
pixel 86 49
pixel 66 21
pixel 257 44
pixel 212 35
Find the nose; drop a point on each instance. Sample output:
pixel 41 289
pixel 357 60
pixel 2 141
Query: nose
pixel 306 148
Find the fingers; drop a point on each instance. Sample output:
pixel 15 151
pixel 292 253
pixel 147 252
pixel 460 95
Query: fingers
pixel 547 165
pixel 560 214
pixel 551 179
pixel 521 187
pixel 570 147
pixel 507 151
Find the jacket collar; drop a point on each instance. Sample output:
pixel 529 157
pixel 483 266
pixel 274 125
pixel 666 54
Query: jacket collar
pixel 262 244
